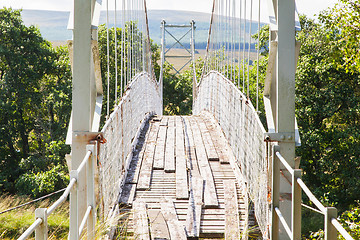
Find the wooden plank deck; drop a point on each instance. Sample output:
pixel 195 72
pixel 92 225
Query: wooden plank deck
pixel 181 179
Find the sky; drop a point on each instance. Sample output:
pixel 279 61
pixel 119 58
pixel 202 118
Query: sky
pixel 308 7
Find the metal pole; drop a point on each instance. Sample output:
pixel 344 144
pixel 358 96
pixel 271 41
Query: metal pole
pixel 162 61
pixel 81 96
pixel 193 59
pixel 285 93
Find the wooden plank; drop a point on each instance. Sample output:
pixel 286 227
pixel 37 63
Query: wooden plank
pixel 176 229
pixel 232 223
pixel 158 228
pixel 160 148
pixel 170 146
pixel 209 145
pixel 182 189
pixel 193 217
pixel 210 197
pixel 164 121
pixel 127 194
pixel 148 159
pixel 141 226
pixel 218 138
pixel 135 166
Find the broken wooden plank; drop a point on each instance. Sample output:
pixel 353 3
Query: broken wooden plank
pixel 176 229
pixel 141 226
pixel 209 145
pixel 127 194
pixel 193 217
pixel 169 162
pixel 210 196
pixel 148 159
pixel 158 228
pixel 182 189
pixel 232 223
pixel 160 148
pixel 164 121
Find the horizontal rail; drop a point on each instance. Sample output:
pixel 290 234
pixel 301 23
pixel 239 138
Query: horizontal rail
pixel 285 163
pixel 311 196
pixel 283 221
pixel 84 161
pixel 312 209
pixel 341 230
pixel 31 229
pixel 83 221
pixel 63 196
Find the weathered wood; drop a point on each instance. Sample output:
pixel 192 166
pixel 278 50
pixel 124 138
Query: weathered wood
pixel 170 147
pixel 141 226
pixel 182 189
pixel 127 194
pixel 160 148
pixel 209 145
pixel 210 197
pixel 148 159
pixel 158 228
pixel 176 229
pixel 193 218
pixel 232 223
pixel 135 166
pixel 218 139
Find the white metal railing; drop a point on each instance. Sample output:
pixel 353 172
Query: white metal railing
pixel 331 225
pixel 40 225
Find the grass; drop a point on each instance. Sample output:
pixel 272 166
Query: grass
pixel 14 223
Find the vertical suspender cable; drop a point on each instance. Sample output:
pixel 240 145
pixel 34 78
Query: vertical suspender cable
pixel 108 59
pixel 239 58
pixel 248 70
pixel 123 48
pixel 116 60
pixel 243 62
pixel 257 61
pixel 233 32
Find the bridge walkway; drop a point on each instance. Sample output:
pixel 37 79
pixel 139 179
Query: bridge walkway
pixel 182 182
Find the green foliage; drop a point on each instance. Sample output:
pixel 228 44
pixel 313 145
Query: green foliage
pixel 35 101
pixel 351 221
pixel 327 107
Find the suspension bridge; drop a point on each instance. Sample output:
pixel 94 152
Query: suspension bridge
pixel 219 173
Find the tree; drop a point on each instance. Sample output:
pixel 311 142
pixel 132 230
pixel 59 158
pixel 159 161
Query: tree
pixel 35 100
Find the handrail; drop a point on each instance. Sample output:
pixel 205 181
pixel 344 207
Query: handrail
pixel 322 209
pixel 31 229
pixel 62 198
pixel 311 196
pixel 83 221
pixel 341 229
pixel 283 221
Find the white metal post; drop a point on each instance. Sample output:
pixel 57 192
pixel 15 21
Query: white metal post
pixel 330 230
pixel 285 95
pixel 41 232
pixel 296 206
pixel 81 95
pixel 90 174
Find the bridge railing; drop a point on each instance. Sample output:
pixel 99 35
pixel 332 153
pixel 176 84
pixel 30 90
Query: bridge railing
pixel 331 224
pixel 245 133
pixel 141 100
pixel 40 225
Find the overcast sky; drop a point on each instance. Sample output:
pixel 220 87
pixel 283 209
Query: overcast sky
pixel 308 7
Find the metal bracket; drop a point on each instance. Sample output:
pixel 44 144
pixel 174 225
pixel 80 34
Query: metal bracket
pixel 88 137
pixel 279 137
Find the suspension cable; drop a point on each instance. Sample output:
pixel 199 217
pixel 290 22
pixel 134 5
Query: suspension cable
pixel 116 59
pixel 108 59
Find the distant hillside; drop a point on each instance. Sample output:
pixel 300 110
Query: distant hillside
pixel 53 24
